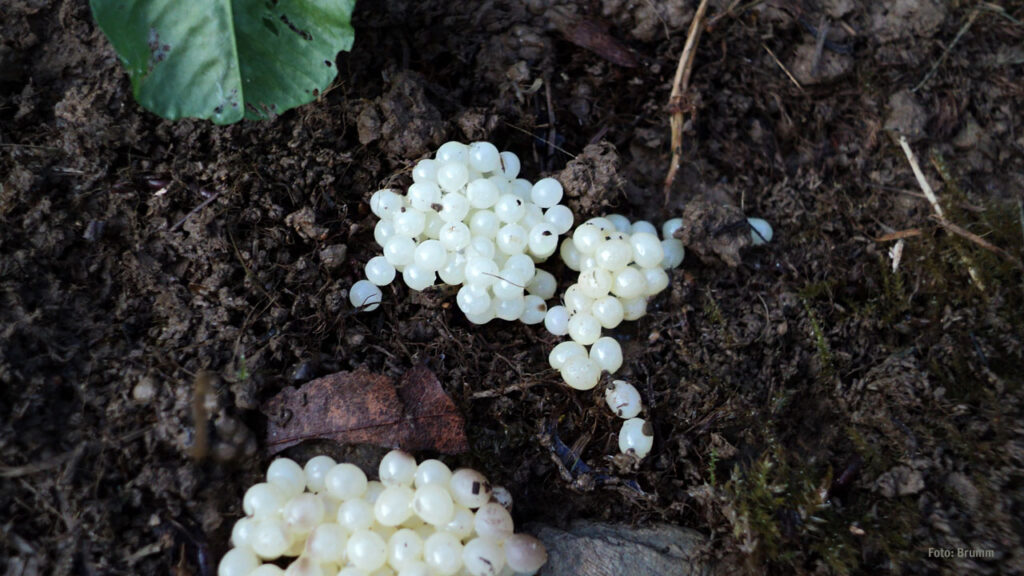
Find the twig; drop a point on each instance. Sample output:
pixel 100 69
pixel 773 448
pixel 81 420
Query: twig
pixel 899 235
pixel 972 237
pixel 680 87
pixel 921 180
pixel 945 53
pixel 934 201
pixel 779 62
pixel 491 393
pixel 201 205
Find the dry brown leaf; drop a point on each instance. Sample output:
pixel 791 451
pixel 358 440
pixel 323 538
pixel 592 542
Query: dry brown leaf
pixel 365 408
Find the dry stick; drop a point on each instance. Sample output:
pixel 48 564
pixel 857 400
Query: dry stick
pixel 945 54
pixel 680 86
pixel 781 65
pixel 934 201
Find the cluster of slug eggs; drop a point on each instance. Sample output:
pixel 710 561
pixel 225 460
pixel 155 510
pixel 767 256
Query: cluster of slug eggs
pixel 419 519
pixel 470 220
pixel 621 264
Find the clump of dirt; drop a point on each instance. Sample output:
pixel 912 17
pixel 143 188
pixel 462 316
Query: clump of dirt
pixel 841 400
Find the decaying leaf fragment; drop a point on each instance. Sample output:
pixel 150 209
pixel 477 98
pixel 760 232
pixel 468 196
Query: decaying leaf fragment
pixel 365 408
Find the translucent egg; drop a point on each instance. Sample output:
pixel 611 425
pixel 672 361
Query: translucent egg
pixel 587 238
pixel 425 171
pixel 397 468
pixel 520 187
pixel 534 310
pixel 643 227
pixel 443 553
pixel 543 239
pixel 399 250
pixel 267 570
pixel 454 207
pixel 510 309
pixel 481 247
pixel 433 503
pixel 481 271
pixel 366 550
pixel 493 522
pixel 484 157
pixel 761 231
pixel 241 532
pixel 484 223
pixel 521 268
pixel 461 524
pixel 238 562
pixel 524 554
pixel 470 488
pixel 287 475
pixel 668 229
pixel 657 280
pixel 432 472
pixel 647 250
pixel 269 539
pixel 546 192
pixel 570 255
pixel 483 557
pixel 623 399
pixel 505 288
pixel 430 255
pixel 595 283
pixel 629 283
pixel 634 308
pixel 454 236
pixel 559 216
pixel 454 270
pixel 584 328
pixel 510 165
pixel 418 278
pixel 543 284
pixel 557 320
pixel 409 222
pixel 563 351
pixel 636 435
pixel 327 543
pixel 533 216
pixel 608 311
pixel 383 231
pixel 453 152
pixel 482 193
pixel 452 176
pixel 621 223
pixel 303 566
pixel 581 373
pixel 674 253
pixel 509 208
pixel 614 255
pixel 263 500
pixel 424 195
pixel 365 296
pixel 607 352
pixel 303 513
pixel 385 204
pixel 405 547
pixel 356 514
pixel 511 239
pixel 394 505
pixel 483 317
pixel 379 271
pixel 576 301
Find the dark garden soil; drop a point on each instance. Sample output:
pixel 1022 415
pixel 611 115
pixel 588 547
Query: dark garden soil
pixel 816 408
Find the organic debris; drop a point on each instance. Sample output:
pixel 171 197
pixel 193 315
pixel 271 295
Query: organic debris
pixel 365 408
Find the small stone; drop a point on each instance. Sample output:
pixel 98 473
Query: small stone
pixel 333 256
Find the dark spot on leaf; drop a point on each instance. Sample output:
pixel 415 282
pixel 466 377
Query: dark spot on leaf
pixel 304 34
pixel 328 63
pixel 218 109
pixel 269 25
pixel 316 92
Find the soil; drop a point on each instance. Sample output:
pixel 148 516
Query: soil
pixel 819 404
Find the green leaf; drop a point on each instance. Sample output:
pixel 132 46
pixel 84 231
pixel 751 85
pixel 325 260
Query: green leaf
pixel 226 59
